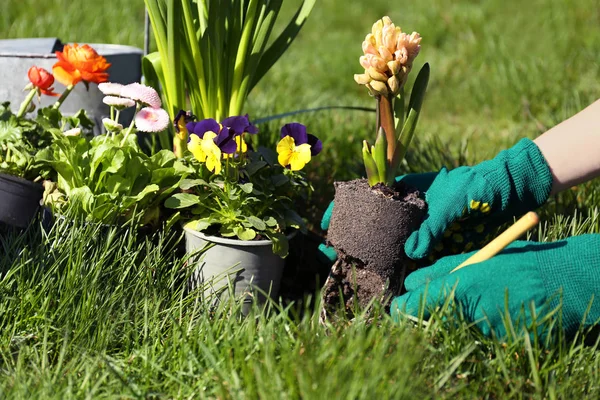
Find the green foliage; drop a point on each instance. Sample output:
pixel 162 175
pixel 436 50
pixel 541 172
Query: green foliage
pixel 21 138
pixel 215 52
pixel 102 180
pixel 253 198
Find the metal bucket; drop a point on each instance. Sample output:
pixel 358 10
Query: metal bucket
pixel 18 55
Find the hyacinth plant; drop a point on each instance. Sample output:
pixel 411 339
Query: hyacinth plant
pixel 214 52
pixel 238 191
pixel 108 178
pixel 388 58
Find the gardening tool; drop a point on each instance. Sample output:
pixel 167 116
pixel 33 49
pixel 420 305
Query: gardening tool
pixel 525 223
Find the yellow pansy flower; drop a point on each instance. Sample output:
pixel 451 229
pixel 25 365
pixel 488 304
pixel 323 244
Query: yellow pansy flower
pixel 289 154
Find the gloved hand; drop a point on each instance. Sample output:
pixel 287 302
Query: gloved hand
pixel 526 272
pixel 467 203
pixel 420 181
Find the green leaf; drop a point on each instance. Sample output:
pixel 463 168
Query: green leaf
pixel 293 219
pixel 244 233
pixel 182 200
pixel 203 224
pixel 257 223
pixel 379 152
pixel 9 130
pixel 414 109
pixel 246 187
pixel 172 221
pixel 270 221
pixel 280 45
pixel 163 158
pixel 269 155
pixel 255 166
pixel 187 184
pixel 279 180
pixel 370 166
pixel 280 244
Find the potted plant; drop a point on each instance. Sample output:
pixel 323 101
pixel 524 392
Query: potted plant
pixel 108 179
pixel 373 217
pixel 22 137
pixel 20 182
pixel 241 201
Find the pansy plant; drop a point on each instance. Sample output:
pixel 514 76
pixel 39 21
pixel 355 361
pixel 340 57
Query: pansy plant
pixel 238 191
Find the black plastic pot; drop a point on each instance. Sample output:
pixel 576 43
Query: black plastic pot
pixel 19 200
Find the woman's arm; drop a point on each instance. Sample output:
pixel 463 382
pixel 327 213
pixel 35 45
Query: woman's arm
pixel 572 148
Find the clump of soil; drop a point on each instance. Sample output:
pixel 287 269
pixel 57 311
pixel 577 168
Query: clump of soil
pixel 368 229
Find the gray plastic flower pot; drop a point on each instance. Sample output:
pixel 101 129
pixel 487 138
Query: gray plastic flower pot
pixel 19 200
pixel 18 55
pixel 245 265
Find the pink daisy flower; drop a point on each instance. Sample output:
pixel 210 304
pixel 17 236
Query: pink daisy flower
pixel 151 119
pixel 110 89
pixel 118 102
pixel 142 93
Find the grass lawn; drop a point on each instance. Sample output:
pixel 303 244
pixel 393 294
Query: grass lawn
pixel 90 314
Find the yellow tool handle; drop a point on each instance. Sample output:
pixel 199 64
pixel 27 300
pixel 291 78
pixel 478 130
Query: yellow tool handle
pixel 494 247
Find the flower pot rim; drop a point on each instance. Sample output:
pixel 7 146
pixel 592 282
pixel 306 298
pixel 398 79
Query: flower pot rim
pixel 21 181
pixel 104 49
pixel 234 242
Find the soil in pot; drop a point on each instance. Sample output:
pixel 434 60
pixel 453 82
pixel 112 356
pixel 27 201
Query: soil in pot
pixel 368 229
pixel 19 200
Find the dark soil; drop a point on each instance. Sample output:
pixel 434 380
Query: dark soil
pixel 368 229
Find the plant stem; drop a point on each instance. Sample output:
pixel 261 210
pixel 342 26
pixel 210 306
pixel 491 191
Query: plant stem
pixel 130 125
pixel 62 97
pixel 26 102
pixel 385 120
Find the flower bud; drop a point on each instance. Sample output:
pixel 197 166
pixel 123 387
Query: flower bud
pixel 379 87
pixel 394 85
pixel 111 126
pixel 362 79
pixel 376 75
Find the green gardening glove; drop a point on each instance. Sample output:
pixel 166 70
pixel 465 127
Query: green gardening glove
pixel 466 204
pixel 526 272
pixel 420 181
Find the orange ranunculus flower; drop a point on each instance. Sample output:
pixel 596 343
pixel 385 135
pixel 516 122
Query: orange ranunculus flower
pixel 42 80
pixel 80 63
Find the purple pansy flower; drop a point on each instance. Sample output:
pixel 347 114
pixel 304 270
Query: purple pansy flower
pixel 187 116
pixel 239 125
pixel 224 139
pixel 298 132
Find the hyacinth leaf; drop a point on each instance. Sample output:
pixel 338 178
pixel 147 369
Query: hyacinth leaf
pixel 370 166
pixel 414 109
pixel 153 76
pixel 399 112
pixel 379 152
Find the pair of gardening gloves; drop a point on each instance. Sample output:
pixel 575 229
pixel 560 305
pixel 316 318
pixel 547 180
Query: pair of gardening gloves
pixel 525 284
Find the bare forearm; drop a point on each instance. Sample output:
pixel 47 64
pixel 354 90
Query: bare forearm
pixel 572 148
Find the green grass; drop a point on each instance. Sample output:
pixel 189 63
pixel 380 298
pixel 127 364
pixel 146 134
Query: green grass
pixel 90 314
